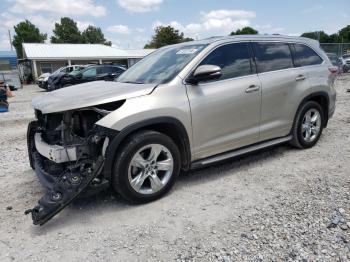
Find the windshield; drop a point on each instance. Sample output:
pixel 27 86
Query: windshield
pixel 58 71
pixel 161 66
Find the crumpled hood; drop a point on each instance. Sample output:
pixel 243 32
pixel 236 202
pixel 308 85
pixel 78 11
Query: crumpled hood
pixel 44 75
pixel 89 94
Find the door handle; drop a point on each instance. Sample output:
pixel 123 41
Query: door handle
pixel 300 78
pixel 252 88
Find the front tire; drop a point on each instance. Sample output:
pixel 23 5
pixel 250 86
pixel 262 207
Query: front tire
pixel 146 167
pixel 32 128
pixel 308 125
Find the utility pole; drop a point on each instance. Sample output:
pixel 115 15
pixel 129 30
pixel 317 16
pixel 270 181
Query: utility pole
pixel 10 39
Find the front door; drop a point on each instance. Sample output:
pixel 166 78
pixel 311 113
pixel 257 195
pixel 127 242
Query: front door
pixel 226 111
pixel 89 75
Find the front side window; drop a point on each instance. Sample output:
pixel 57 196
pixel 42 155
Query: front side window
pixel 272 56
pixel 305 56
pixel 90 72
pixel 233 59
pixel 161 66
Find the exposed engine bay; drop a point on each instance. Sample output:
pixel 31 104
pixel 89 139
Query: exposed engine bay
pixel 67 150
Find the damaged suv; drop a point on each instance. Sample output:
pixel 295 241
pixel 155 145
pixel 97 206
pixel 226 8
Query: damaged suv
pixel 184 106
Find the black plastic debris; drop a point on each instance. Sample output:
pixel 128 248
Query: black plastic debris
pixel 68 186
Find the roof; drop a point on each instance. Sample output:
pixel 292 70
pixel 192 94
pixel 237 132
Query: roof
pixel 42 51
pixel 222 39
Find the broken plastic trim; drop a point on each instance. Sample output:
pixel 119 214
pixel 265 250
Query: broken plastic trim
pixel 67 187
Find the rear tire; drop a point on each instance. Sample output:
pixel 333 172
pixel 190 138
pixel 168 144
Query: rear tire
pixel 308 125
pixel 146 167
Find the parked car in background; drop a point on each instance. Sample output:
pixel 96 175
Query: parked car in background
pixel 335 60
pixel 345 63
pixel 87 74
pixel 42 80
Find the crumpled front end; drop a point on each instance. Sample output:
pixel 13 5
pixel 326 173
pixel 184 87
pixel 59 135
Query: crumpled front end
pixel 66 150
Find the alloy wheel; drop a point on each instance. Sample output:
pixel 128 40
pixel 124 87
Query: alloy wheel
pixel 150 169
pixel 311 125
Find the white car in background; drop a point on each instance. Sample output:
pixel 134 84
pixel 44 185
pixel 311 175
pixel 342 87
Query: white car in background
pixel 345 63
pixel 43 78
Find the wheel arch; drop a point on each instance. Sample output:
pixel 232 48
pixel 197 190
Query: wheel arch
pixel 169 126
pixel 322 98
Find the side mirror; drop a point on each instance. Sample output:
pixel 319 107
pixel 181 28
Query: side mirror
pixel 79 76
pixel 204 73
pixel 113 75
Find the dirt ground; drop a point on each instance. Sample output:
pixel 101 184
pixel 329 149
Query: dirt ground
pixel 280 204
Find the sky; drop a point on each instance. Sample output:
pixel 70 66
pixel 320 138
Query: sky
pixel 130 24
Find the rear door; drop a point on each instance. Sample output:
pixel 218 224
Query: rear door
pixel 282 84
pixel 225 112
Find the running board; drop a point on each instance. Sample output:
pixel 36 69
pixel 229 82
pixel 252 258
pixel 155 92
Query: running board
pixel 239 152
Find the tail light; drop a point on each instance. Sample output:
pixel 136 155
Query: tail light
pixel 333 70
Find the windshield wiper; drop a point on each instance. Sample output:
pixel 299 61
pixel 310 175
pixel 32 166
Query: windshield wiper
pixel 132 82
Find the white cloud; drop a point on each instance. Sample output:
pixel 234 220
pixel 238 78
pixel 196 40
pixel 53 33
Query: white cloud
pixel 8 21
pixel 4 42
pixel 62 7
pixel 269 29
pixel 140 6
pixel 82 25
pixel 45 24
pixel 225 25
pixel 121 29
pixel 215 22
pixel 226 20
pixel 222 14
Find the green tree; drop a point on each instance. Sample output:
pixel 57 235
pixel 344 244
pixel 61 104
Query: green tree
pixel 166 35
pixel 26 32
pixel 66 32
pixel 245 31
pixel 320 36
pixel 344 34
pixel 334 38
pixel 94 35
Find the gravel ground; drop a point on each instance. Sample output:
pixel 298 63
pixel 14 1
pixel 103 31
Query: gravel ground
pixel 279 204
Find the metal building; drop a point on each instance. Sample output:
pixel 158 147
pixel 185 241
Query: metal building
pixel 46 58
pixel 8 60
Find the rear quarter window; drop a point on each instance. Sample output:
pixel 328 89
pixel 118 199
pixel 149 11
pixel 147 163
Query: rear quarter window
pixel 272 56
pixel 305 56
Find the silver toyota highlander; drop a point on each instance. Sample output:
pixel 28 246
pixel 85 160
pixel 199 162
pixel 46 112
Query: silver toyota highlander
pixel 184 106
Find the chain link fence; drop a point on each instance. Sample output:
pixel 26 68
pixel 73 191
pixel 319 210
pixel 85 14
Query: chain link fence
pixel 337 48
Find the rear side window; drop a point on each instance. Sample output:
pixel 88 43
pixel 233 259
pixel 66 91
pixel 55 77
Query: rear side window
pixel 103 70
pixel 305 56
pixel 272 56
pixel 116 70
pixel 234 59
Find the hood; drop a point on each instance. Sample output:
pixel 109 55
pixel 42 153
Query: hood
pixel 44 75
pixel 89 94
